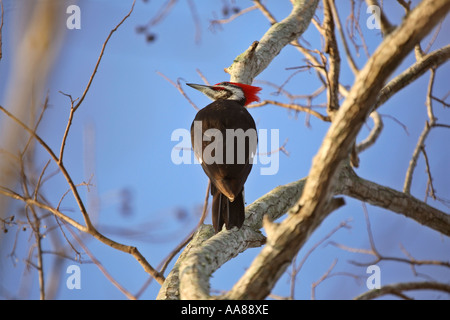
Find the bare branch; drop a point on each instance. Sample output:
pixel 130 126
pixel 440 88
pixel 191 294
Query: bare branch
pixel 322 278
pixel 374 133
pixel 265 11
pixel 421 142
pixel 253 61
pixel 35 226
pixel 334 65
pixel 232 17
pixel 434 58
pixel 430 178
pixel 352 25
pixel 395 201
pixel 350 59
pixel 179 88
pixel 291 106
pixel 398 288
pixel 296 269
pixel 307 53
pixel 69 123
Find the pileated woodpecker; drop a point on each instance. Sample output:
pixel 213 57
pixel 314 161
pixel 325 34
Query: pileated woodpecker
pixel 229 163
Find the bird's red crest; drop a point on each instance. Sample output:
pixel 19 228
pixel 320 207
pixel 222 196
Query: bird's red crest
pixel 250 92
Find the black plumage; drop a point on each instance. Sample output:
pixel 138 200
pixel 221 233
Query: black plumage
pixel 227 178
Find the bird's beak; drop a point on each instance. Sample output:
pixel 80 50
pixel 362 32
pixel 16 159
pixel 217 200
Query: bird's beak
pixel 202 88
pixel 197 86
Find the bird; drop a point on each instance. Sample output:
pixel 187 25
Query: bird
pixel 224 140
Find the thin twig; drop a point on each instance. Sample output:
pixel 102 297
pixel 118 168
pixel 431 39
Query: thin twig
pixel 60 165
pixel 296 269
pixel 379 257
pixel 265 12
pixel 232 17
pixel 421 142
pixel 282 149
pixel 203 77
pixel 322 278
pixel 374 133
pixel 69 123
pixel 291 106
pixel 296 43
pixel 430 178
pixel 350 60
pixel 38 184
pixel 445 104
pixel 179 88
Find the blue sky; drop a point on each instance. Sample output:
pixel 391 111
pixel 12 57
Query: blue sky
pixel 121 137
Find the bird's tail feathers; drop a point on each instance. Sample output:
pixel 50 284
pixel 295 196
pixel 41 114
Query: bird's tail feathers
pixel 232 214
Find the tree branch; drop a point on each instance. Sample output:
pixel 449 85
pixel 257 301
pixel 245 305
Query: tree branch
pixel 395 201
pixel 374 133
pixel 255 59
pixel 434 58
pixel 350 60
pixel 334 64
pixel 423 136
pixel 291 106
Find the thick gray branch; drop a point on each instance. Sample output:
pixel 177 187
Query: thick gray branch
pixel 197 268
pixel 393 200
